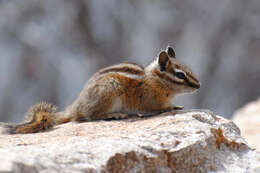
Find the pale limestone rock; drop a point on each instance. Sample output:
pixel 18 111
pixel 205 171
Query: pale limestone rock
pixel 248 120
pixel 194 141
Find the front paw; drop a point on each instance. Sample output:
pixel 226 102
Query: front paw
pixel 168 109
pixel 178 108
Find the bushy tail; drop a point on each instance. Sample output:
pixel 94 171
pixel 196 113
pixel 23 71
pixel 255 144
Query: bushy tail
pixel 40 117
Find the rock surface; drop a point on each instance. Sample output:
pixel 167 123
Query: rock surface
pixel 248 120
pixel 194 141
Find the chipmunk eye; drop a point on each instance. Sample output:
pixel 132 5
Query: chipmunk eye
pixel 180 75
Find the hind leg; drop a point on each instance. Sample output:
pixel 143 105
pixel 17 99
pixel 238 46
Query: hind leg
pixel 94 111
pixel 102 114
pixel 105 105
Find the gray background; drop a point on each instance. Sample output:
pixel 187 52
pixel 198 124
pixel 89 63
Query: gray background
pixel 49 48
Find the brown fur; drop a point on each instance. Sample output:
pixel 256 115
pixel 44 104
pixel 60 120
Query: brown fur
pixel 39 118
pixel 115 91
pixel 41 122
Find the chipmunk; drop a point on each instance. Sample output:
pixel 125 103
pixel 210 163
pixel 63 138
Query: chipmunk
pixel 116 92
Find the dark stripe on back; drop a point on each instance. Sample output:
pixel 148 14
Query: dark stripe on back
pixel 131 63
pixel 124 69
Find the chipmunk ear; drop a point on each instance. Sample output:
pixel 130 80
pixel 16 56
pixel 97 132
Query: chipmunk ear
pixel 163 60
pixel 171 52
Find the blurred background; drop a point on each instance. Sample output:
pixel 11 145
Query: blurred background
pixel 48 49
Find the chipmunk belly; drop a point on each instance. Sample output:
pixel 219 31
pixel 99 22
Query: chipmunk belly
pixel 117 106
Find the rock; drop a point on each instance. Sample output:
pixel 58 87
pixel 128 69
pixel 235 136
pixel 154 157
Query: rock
pixel 191 141
pixel 248 120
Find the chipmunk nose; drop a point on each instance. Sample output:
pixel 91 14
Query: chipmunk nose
pixel 198 86
pixel 194 84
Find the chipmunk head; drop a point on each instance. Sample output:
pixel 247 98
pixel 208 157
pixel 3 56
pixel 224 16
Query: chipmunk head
pixel 176 75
